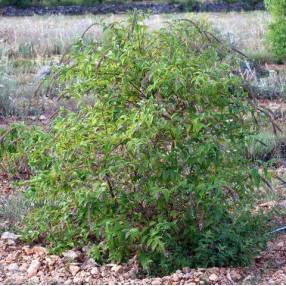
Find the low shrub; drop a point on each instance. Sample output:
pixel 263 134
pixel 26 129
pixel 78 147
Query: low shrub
pixel 276 36
pixel 156 167
pixel 276 7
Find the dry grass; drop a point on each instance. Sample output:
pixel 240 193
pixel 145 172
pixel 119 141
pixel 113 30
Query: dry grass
pixel 27 43
pixel 48 35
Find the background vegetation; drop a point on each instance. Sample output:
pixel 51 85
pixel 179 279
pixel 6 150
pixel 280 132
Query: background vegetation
pixel 277 29
pixel 27 3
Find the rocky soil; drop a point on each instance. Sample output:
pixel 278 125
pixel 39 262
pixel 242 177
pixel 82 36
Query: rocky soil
pixel 155 8
pixel 24 264
pixel 21 263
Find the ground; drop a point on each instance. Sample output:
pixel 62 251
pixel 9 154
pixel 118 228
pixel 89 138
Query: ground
pixel 29 43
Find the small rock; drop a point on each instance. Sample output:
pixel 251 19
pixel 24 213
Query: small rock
pixel 94 271
pixel 280 244
pixel 213 277
pixel 186 270
pixel 11 242
pixel 27 250
pixel 52 259
pixel 33 268
pixel 156 281
pixel 176 278
pixel 35 280
pixel 71 255
pixel 74 269
pixel 13 267
pixel 117 269
pixel 235 275
pixel 9 235
pixel 132 274
pixel 18 280
pixel 78 280
pixel 43 118
pixel 40 251
pixel 24 267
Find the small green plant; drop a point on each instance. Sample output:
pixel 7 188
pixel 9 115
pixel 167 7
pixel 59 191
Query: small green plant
pixel 277 30
pixel 156 167
pixel 263 146
pixel 13 210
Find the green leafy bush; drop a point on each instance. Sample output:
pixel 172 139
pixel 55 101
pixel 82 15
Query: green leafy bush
pixel 156 167
pixel 277 29
pixel 276 7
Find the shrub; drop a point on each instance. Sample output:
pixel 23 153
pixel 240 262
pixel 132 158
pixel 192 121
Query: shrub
pixel 156 167
pixel 276 7
pixel 277 30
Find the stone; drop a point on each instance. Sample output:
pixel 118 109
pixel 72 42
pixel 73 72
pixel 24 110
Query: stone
pixel 280 244
pixel 189 275
pixel 156 281
pixel 33 268
pixel 13 267
pixel 74 269
pixel 11 242
pixel 117 269
pixel 35 280
pixel 176 278
pixel 71 255
pixel 18 279
pixel 39 251
pixel 9 236
pixel 132 274
pixel 52 259
pixel 94 271
pixel 43 118
pixel 213 277
pixel 186 270
pixel 78 280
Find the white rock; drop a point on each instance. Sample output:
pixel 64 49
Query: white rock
pixel 176 277
pixel 19 279
pixel 71 254
pixel 9 235
pixel 117 268
pixel 43 118
pixel 94 271
pixel 213 277
pixel 77 280
pixel 33 268
pixel 35 280
pixel 74 269
pixel 156 281
pixel 11 242
pixel 13 267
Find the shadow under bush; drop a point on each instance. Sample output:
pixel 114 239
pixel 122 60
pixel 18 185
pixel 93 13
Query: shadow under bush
pixel 156 167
